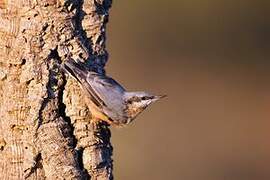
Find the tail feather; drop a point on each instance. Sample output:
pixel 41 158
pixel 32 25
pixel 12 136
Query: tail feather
pixel 76 70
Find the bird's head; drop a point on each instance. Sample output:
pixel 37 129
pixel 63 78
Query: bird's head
pixel 137 101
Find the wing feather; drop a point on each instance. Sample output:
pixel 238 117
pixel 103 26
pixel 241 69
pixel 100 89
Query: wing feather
pixel 104 91
pixel 81 75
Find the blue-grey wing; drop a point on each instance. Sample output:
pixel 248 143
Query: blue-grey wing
pixel 80 74
pixel 110 92
pixel 104 91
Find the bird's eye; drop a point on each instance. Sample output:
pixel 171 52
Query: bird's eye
pixel 144 98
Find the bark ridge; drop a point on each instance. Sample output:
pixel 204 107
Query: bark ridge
pixel 45 125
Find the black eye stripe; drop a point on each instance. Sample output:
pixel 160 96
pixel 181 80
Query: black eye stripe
pixel 134 99
pixel 147 97
pixel 138 99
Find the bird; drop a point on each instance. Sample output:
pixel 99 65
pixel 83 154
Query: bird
pixel 108 100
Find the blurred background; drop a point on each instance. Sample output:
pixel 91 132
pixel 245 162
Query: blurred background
pixel 212 59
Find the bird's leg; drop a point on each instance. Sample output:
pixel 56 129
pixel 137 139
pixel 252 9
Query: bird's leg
pixel 95 120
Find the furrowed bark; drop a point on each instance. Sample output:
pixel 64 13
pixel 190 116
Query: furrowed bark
pixel 46 130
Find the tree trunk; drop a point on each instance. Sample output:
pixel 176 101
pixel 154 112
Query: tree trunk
pixel 45 126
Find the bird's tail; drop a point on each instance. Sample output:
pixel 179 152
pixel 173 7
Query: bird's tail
pixel 76 70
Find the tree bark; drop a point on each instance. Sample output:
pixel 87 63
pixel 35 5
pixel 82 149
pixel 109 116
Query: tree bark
pixel 46 130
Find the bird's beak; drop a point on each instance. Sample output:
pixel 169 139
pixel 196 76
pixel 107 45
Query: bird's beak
pixel 159 97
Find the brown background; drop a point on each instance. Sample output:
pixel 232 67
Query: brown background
pixel 211 57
